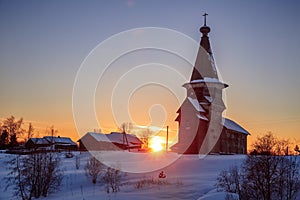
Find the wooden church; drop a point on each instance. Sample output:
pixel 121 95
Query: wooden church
pixel 202 129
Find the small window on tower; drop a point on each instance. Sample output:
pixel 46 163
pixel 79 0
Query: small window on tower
pixel 187 125
pixel 206 91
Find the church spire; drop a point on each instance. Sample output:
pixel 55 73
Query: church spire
pixel 204 39
pixel 204 66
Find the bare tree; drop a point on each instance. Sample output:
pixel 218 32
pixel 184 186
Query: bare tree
pixel 261 172
pixel 270 145
pixel 126 127
pixel 93 168
pixel 267 175
pixel 30 131
pixel 145 137
pixel 291 183
pixel 34 175
pixel 297 149
pixel 265 145
pixel 112 179
pixel 13 129
pixel 230 181
pixel 4 139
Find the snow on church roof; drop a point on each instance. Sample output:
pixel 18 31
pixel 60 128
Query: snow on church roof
pixel 231 125
pixel 208 98
pixel 206 80
pixel 201 117
pixel 196 104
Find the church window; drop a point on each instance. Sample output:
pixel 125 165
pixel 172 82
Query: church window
pixel 206 91
pixel 187 126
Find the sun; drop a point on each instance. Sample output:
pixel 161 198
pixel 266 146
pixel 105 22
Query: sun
pixel 156 143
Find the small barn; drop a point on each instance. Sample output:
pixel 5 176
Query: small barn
pixel 104 142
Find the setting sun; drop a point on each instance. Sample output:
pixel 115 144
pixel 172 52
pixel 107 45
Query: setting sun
pixel 156 143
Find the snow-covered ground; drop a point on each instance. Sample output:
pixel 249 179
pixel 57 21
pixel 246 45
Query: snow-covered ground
pixel 188 177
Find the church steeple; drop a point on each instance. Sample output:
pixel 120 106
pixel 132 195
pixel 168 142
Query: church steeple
pixel 200 115
pixel 204 65
pixel 204 40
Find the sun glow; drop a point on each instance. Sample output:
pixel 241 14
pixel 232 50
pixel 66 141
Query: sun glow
pixel 156 143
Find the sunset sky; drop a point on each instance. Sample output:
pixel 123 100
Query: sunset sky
pixel 256 47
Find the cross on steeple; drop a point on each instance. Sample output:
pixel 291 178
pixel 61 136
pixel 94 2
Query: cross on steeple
pixel 205 14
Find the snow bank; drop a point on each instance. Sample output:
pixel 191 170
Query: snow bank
pixel 188 177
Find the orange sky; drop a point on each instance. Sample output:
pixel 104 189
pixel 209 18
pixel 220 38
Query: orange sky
pixel 43 45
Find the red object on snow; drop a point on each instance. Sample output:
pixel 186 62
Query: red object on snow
pixel 162 175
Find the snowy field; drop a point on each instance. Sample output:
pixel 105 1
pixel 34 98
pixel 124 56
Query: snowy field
pixel 188 177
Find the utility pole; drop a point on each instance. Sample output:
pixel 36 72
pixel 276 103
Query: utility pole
pixel 167 139
pixel 125 139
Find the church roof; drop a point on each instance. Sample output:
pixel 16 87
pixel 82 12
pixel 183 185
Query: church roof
pixel 231 125
pixel 204 65
pixel 196 104
pixel 201 117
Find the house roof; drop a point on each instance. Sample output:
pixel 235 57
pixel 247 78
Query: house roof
pixel 231 125
pixel 99 136
pixel 115 137
pixel 59 140
pixel 130 137
pixel 38 140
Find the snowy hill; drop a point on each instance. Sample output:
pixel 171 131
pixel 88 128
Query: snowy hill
pixel 188 177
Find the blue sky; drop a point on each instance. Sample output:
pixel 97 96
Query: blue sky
pixel 256 46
